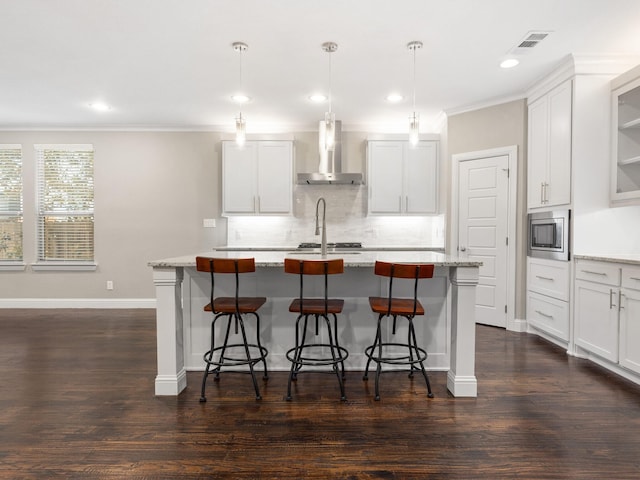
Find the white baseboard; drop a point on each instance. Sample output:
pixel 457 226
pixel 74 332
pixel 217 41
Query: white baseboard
pixel 77 303
pixel 517 325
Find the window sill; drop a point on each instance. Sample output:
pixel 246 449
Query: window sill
pixel 12 266
pixel 64 266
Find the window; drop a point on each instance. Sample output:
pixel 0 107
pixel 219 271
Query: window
pixel 10 204
pixel 65 204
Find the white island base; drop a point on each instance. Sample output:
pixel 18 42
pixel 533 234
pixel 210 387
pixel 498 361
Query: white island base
pixel 447 331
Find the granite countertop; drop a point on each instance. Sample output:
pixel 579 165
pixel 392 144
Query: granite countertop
pixel 367 248
pixel 628 258
pixel 368 258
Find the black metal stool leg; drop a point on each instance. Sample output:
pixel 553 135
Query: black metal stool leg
pixel 297 353
pixel 300 347
pixel 333 356
pixel 207 361
pixel 221 358
pixel 337 343
pixel 375 343
pixel 379 362
pixel 424 372
pixel 410 345
pixel 248 353
pixel 262 356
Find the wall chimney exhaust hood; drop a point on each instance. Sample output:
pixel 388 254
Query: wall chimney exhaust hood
pixel 330 166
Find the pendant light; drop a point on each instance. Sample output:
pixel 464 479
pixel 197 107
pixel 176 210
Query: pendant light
pixel 328 125
pixel 241 125
pixel 414 120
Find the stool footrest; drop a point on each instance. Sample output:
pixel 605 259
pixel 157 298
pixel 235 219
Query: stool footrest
pixel 230 359
pixel 419 354
pixel 295 355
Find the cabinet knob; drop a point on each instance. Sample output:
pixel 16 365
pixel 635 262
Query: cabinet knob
pixel 463 249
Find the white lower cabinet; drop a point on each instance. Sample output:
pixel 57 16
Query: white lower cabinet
pixel 548 297
pixel 607 312
pixel 596 317
pixel 548 314
pixel 629 302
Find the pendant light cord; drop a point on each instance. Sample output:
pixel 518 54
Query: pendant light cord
pixel 330 77
pixel 414 81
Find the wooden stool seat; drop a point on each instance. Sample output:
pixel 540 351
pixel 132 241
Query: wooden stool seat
pixel 316 306
pixel 328 353
pixel 228 304
pixel 234 309
pixel 399 306
pixel 398 353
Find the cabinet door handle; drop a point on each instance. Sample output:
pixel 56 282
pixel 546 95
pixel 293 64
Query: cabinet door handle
pixel 544 278
pixel 544 314
pixel 635 278
pixel 541 192
pixel 400 202
pixel 620 295
pixel 406 203
pixel 258 204
pixel 546 192
pixel 594 273
pixel 611 304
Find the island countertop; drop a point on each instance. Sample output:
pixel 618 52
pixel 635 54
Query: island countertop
pixel 364 258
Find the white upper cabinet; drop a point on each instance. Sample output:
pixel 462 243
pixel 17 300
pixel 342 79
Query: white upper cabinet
pixel 549 155
pixel 625 157
pixel 402 179
pixel 257 178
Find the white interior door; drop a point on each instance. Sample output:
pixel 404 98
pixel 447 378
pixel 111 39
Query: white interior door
pixel 483 202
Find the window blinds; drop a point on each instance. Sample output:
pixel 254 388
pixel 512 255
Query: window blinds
pixel 65 192
pixel 10 202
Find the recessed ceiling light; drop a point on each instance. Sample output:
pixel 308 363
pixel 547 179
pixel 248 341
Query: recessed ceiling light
pixel 509 63
pixel 394 97
pixel 240 98
pixel 100 107
pixel 318 97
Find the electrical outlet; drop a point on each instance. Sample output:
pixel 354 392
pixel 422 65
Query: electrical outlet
pixel 109 285
pixel 209 223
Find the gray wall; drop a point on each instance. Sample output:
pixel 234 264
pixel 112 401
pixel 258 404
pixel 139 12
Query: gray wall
pixel 497 126
pixel 152 190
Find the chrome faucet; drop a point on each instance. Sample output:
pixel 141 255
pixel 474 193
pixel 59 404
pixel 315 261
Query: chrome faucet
pixel 323 245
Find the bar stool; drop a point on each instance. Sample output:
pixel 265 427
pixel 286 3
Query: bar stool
pixel 393 352
pixel 317 354
pixel 232 309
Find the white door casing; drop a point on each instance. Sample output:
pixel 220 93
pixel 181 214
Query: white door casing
pixel 483 228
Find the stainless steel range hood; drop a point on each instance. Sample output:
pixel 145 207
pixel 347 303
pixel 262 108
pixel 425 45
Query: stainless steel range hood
pixel 330 166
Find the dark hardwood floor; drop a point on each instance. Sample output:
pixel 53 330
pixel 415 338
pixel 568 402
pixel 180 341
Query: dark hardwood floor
pixel 77 401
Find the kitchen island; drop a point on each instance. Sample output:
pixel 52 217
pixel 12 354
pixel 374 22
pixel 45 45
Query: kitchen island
pixel 447 330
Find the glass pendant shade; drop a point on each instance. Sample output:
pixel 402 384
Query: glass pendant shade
pixel 329 139
pixel 414 129
pixel 241 131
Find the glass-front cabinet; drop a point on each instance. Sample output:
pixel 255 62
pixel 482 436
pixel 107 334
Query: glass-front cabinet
pixel 625 173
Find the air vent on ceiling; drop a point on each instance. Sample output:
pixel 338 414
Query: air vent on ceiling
pixel 531 40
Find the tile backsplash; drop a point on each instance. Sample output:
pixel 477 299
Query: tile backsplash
pixel 346 218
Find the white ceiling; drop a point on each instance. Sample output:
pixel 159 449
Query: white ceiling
pixel 170 64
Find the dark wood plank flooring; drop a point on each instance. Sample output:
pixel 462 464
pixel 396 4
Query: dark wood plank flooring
pixel 77 401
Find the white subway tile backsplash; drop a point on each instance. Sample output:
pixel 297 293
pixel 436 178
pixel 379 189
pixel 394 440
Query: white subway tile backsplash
pixel 347 221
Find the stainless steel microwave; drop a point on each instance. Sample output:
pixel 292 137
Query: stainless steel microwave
pixel 549 235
